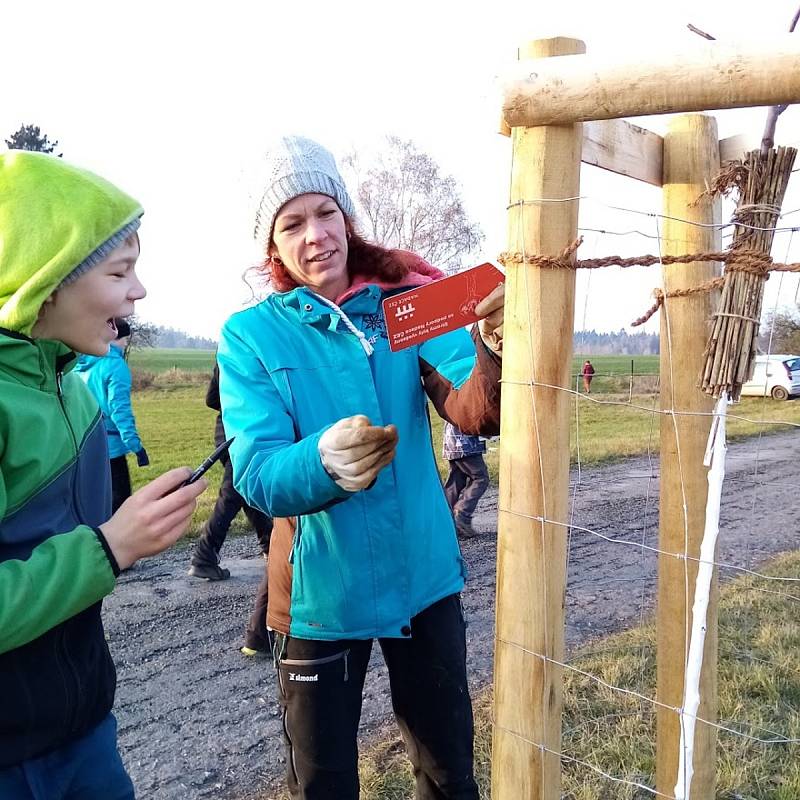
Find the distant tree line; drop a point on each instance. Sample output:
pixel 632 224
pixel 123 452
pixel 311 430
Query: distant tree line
pixel 585 342
pixel 619 342
pixel 146 334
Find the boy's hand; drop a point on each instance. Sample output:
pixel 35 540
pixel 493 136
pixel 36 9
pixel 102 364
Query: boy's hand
pixel 353 451
pixel 152 519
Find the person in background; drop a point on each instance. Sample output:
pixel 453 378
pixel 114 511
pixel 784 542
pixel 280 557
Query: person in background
pixel 205 558
pixel 468 478
pixel 109 380
pixel 333 441
pixel 588 373
pixel 67 269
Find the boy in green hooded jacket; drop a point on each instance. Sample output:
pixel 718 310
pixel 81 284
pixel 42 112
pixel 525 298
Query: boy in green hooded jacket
pixel 68 249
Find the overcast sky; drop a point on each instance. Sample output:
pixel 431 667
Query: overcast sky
pixel 175 100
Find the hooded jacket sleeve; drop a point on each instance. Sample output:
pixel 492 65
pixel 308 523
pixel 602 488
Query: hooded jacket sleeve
pixel 63 576
pixel 462 378
pixel 119 404
pixel 273 468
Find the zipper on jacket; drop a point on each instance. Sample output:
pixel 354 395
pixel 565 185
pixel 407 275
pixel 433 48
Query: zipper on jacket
pixel 67 660
pixel 73 479
pixel 60 395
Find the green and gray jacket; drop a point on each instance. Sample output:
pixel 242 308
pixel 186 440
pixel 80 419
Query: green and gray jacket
pixel 57 679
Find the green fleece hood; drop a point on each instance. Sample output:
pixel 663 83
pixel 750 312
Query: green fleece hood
pixel 53 218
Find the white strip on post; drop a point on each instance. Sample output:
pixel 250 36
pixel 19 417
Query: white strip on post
pixel 715 458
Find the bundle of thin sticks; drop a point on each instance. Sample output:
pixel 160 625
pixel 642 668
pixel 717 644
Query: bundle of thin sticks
pixel 761 181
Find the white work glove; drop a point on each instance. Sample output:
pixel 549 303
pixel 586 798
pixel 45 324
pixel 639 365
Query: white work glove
pixel 353 451
pixel 490 322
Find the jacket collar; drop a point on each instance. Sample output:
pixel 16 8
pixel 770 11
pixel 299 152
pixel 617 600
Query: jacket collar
pixel 311 309
pixel 362 296
pixel 34 362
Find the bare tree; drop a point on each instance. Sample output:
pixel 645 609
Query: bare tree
pixel 406 202
pixel 143 334
pixel 780 332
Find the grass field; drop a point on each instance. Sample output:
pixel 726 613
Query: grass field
pixel 177 429
pixel 160 360
pixel 617 365
pixel 759 683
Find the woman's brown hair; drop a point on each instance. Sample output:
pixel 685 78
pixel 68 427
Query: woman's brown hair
pixel 364 259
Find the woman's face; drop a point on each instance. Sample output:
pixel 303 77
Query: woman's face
pixel 310 238
pixel 82 313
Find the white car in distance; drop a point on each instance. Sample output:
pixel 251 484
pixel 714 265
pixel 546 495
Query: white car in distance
pixel 776 376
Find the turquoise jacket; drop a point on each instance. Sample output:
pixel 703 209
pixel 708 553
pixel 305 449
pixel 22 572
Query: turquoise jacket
pixel 109 380
pixel 348 565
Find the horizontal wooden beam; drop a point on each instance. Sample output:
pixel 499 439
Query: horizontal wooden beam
pixel 712 75
pixel 734 147
pixel 619 146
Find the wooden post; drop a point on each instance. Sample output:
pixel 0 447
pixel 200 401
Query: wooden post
pixel 534 460
pixel 691 158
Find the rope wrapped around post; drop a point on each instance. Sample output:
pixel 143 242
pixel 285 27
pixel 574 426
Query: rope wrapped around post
pixel 751 261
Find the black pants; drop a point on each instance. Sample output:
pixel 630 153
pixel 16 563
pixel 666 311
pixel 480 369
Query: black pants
pixel 255 634
pixel 120 482
pixel 320 685
pixel 229 504
pixel 465 485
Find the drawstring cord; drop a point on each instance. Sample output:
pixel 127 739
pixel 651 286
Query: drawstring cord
pixel 368 348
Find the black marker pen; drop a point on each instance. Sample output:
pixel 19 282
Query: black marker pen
pixel 206 465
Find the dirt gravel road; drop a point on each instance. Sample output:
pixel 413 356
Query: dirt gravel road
pixel 199 720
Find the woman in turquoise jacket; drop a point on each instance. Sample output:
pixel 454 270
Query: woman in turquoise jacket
pixel 109 380
pixel 332 439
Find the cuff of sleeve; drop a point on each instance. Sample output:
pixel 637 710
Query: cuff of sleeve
pixel 321 476
pixel 107 549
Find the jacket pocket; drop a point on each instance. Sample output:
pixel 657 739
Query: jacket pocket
pixel 320 603
pixel 295 674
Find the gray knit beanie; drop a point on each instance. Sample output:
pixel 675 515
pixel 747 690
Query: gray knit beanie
pixel 295 166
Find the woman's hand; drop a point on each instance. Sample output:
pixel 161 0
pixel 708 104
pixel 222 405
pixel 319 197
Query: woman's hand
pixel 490 322
pixel 154 518
pixel 353 451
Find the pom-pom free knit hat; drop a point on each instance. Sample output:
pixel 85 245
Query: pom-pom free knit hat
pixel 295 166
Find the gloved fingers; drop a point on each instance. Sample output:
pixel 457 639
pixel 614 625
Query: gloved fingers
pixel 343 460
pixel 351 438
pixel 369 476
pixel 493 339
pixel 492 322
pixel 367 463
pixel 492 302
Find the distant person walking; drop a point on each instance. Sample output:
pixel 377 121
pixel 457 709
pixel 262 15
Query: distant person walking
pixel 109 380
pixel 205 559
pixel 468 478
pixel 588 374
